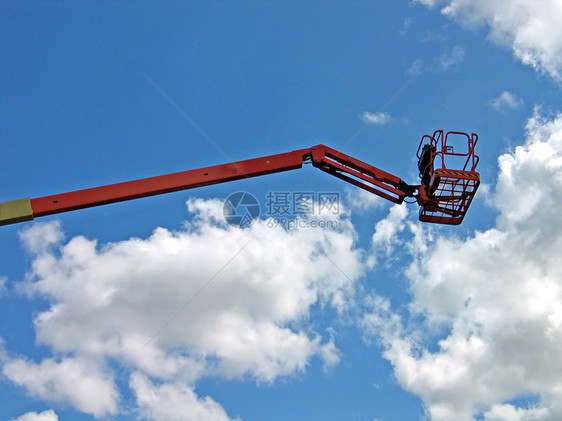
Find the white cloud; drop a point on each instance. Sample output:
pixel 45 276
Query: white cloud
pixel 506 101
pixel 173 402
pixel 177 306
pixel 362 200
pixel 379 118
pixel 493 300
pixel 40 237
pixel 507 412
pixel 428 3
pixel 451 58
pixel 48 415
pixel 71 380
pixel 330 353
pixel 386 230
pixel 531 29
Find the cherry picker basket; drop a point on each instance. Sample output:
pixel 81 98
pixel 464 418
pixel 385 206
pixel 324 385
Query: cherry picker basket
pixel 447 164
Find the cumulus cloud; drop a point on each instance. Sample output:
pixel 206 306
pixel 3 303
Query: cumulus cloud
pixel 173 402
pixel 507 412
pixel 488 304
pixel 531 29
pixel 71 380
pixel 379 118
pixel 208 300
pixel 39 238
pixel 387 230
pixel 506 101
pixel 362 201
pixel 48 415
pixel 492 300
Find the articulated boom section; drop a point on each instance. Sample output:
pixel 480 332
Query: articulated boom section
pixel 447 172
pixel 360 174
pixel 447 165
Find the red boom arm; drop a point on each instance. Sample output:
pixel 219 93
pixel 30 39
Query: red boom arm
pixel 327 159
pixel 168 183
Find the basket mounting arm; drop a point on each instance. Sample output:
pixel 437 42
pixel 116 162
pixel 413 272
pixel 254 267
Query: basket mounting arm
pixel 361 174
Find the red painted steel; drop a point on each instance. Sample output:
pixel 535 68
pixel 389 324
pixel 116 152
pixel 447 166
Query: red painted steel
pixel 361 166
pixel 444 194
pixel 358 173
pixel 447 192
pixel 184 180
pixel 336 163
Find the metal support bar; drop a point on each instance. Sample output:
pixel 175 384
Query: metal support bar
pixel 184 180
pixel 361 174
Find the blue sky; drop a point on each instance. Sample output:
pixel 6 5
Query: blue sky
pixel 157 309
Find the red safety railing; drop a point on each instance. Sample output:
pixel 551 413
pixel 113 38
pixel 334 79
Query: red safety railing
pixel 447 165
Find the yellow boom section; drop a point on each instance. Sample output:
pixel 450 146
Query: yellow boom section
pixel 15 211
